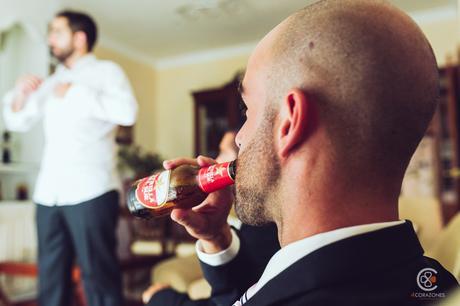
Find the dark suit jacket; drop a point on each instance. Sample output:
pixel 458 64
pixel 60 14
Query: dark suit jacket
pixel 257 246
pixel 376 268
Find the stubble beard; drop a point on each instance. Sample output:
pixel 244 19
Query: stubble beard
pixel 64 55
pixel 258 175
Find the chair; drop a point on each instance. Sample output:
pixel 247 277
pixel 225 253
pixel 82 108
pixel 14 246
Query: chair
pixel 183 271
pixel 142 244
pixel 11 269
pixel 184 275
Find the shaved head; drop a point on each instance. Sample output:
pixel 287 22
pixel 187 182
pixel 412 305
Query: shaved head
pixel 371 73
pixel 338 97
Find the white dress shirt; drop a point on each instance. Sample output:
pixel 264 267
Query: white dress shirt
pixel 290 253
pixel 79 152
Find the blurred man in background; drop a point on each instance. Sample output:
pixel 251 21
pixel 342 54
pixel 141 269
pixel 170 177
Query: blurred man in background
pixel 81 104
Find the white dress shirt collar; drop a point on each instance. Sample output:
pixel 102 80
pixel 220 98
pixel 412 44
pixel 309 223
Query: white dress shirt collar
pixel 82 61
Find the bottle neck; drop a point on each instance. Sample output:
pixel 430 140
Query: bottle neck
pixel 232 169
pixel 217 176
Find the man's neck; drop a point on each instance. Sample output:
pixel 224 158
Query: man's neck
pixel 330 205
pixel 74 58
pixel 309 225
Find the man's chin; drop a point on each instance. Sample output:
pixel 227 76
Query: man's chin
pixel 248 215
pixel 60 57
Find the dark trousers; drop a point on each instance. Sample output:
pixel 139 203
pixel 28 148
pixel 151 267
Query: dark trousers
pixel 85 232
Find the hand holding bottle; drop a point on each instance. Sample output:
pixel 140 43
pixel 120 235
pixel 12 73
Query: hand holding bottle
pixel 208 220
pixel 196 194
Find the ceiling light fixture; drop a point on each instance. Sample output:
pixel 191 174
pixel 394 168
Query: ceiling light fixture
pixel 200 9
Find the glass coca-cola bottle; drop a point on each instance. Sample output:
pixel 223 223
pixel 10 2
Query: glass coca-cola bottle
pixel 185 186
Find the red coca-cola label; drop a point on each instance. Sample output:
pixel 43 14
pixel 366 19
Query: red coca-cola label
pixel 152 191
pixel 215 177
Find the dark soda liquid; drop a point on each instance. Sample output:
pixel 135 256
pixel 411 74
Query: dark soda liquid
pixel 181 197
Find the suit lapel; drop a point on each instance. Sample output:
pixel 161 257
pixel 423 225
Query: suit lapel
pixel 341 261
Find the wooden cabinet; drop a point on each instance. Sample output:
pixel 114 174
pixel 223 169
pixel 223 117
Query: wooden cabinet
pixel 434 171
pixel 217 110
pixel 446 131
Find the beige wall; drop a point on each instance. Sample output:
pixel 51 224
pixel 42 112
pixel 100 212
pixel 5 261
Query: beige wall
pixel 142 78
pixel 174 103
pixel 165 121
pixel 443 36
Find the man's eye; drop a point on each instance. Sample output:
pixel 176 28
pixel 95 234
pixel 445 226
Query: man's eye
pixel 243 109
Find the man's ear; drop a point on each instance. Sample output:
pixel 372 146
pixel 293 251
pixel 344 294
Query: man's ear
pixel 294 120
pixel 80 41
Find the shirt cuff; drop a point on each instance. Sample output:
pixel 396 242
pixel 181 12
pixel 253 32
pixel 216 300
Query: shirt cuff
pixel 222 257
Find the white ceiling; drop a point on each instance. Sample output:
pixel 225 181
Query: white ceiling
pixel 159 29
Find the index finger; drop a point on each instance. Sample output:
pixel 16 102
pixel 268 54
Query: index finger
pixel 204 161
pixel 173 163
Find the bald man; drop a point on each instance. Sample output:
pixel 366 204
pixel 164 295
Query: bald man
pixel 338 97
